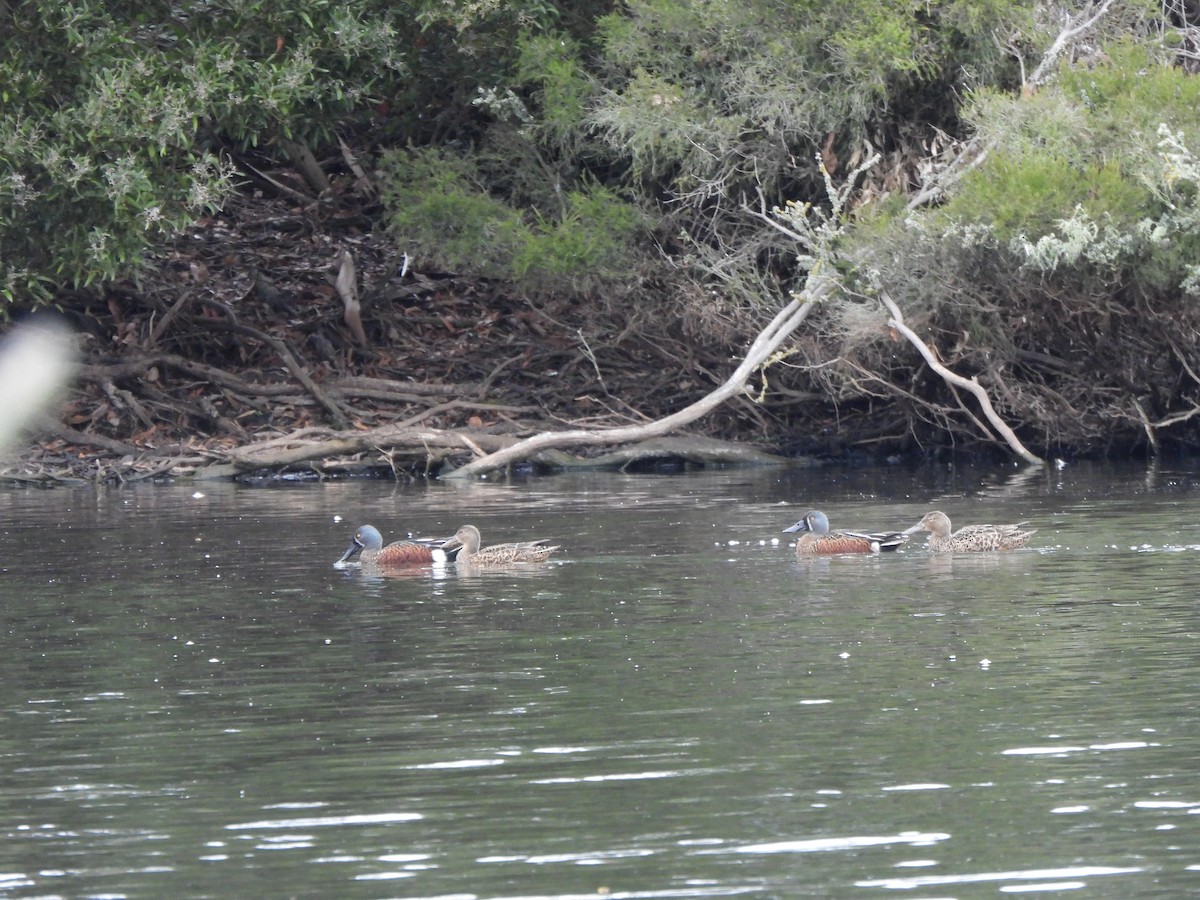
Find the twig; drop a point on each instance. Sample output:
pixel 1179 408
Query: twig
pixel 587 351
pixel 278 186
pixel 1183 362
pixel 475 448
pixel 164 323
pixel 1177 418
pixel 361 178
pixel 299 372
pixel 1068 34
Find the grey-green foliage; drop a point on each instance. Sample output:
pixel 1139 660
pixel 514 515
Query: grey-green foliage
pixel 107 110
pixel 1097 171
pixel 719 99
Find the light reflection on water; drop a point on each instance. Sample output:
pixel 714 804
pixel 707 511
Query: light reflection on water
pixel 1053 878
pixel 675 706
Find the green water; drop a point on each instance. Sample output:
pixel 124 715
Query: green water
pixel 193 700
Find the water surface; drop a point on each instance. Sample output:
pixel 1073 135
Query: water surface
pixel 194 700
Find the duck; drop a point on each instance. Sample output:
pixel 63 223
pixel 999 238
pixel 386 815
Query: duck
pixel 367 545
pixel 820 541
pixel 970 538
pixel 467 541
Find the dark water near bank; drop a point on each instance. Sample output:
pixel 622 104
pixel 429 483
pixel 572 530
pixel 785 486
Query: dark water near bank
pixel 193 701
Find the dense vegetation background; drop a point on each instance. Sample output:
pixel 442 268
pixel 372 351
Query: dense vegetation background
pixel 583 211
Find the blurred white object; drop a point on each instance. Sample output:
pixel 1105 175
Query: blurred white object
pixel 37 360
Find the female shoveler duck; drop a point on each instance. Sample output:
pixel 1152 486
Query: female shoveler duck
pixel 471 553
pixel 972 538
pixel 368 546
pixel 820 541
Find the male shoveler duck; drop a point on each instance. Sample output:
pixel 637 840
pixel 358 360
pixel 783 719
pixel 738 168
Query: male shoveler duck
pixel 972 538
pixel 368 546
pixel 820 541
pixel 471 553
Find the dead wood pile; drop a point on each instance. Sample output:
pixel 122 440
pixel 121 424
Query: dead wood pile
pixel 234 355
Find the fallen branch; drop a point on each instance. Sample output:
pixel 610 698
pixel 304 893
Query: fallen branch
pixel 815 230
pixel 689 448
pixel 768 341
pixel 306 164
pixel 306 445
pixel 52 426
pixel 968 384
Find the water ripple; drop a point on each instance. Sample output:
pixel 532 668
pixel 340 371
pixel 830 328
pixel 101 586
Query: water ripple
pixel 1073 872
pixel 1064 749
pixel 821 845
pixel 321 821
pixel 664 894
pixel 624 776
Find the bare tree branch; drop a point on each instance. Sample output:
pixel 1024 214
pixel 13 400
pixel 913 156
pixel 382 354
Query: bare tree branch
pixel 968 384
pixel 974 151
pixel 1070 32
pixel 768 341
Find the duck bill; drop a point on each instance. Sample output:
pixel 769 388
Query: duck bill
pixel 802 525
pixel 351 551
pixel 920 526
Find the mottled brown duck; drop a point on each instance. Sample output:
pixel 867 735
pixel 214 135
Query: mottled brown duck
pixel 971 538
pixel 468 539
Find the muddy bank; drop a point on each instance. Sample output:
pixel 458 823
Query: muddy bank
pixel 236 355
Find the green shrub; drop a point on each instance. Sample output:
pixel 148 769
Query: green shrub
pixel 113 114
pixel 1027 196
pixel 590 246
pixel 1095 169
pixel 554 63
pixel 442 215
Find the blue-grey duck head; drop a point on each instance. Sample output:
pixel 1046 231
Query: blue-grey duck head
pixel 366 538
pixel 814 520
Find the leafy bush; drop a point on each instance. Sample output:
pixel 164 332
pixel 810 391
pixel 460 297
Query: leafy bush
pixel 590 245
pixel 1097 169
pixel 445 219
pixel 723 98
pixel 112 113
pixel 443 216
